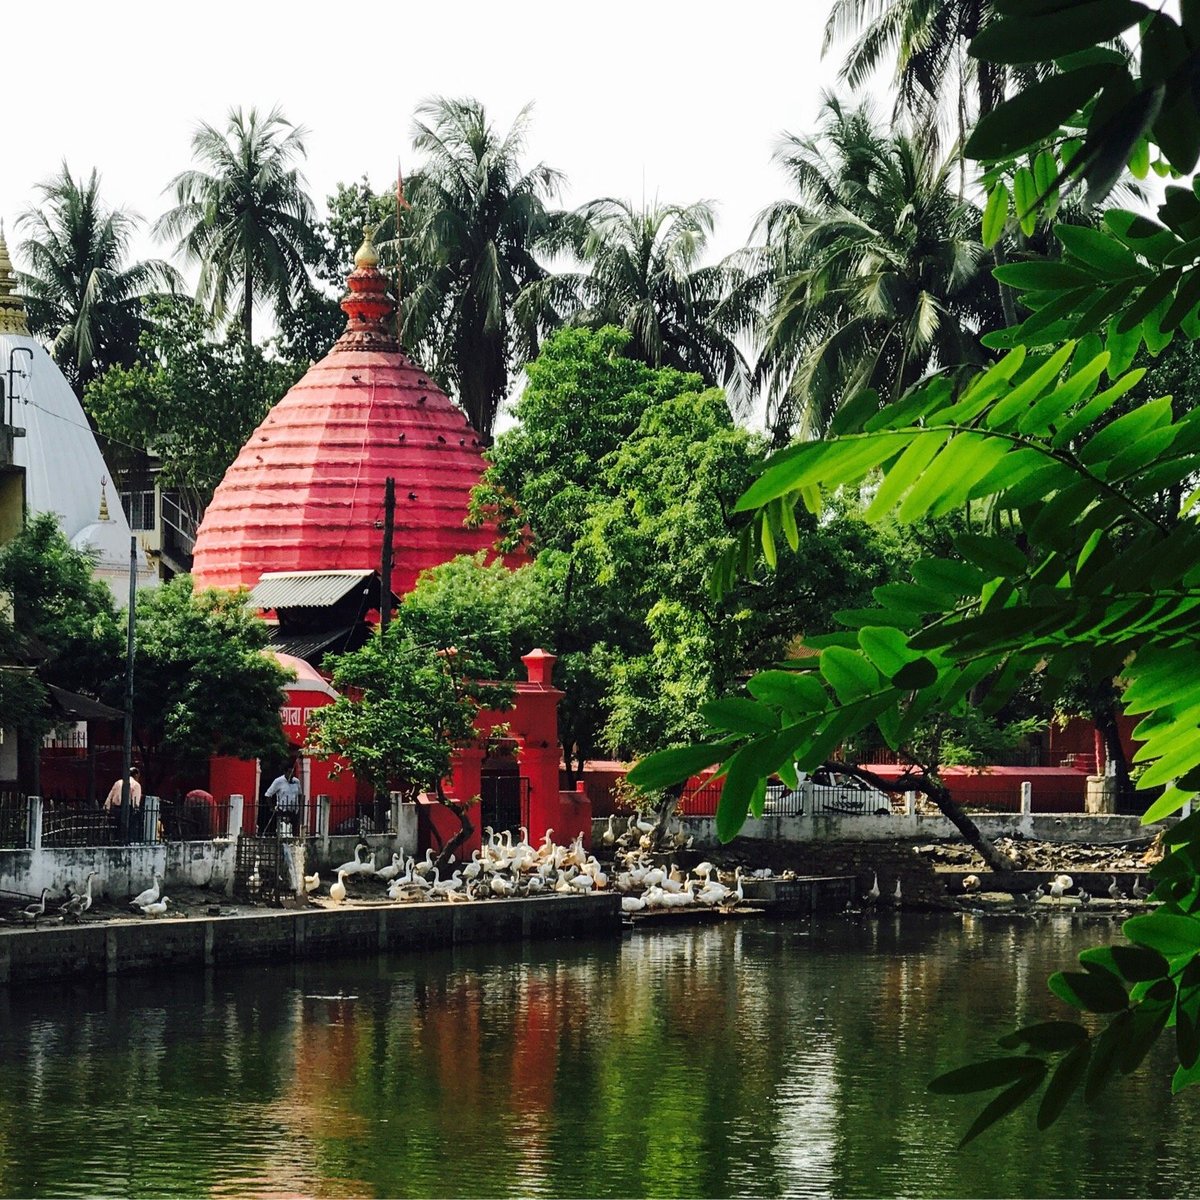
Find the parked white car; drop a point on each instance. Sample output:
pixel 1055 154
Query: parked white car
pixel 832 791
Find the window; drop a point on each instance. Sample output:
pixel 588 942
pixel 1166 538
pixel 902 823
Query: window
pixel 139 510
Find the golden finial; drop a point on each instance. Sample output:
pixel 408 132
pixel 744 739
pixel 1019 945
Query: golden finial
pixel 12 307
pixel 367 255
pixel 103 500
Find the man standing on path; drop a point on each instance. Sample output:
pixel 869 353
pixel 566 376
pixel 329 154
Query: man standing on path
pixel 285 792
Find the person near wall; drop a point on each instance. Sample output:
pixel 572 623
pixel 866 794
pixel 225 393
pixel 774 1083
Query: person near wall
pixel 284 795
pixel 113 801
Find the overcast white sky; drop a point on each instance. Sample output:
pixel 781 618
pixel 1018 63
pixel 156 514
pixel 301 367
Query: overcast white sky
pixel 680 101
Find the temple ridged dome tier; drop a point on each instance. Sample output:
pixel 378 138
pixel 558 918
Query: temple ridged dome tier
pixel 306 493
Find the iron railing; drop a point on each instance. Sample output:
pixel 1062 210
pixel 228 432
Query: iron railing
pixel 850 801
pixel 504 803
pixel 14 820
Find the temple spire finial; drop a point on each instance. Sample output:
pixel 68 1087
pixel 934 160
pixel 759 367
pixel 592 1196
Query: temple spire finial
pixel 367 304
pixel 12 307
pixel 367 255
pixel 104 499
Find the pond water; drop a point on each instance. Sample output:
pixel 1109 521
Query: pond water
pixel 752 1058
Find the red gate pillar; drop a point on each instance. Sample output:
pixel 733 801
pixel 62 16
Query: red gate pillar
pixel 466 782
pixel 535 721
pixel 466 773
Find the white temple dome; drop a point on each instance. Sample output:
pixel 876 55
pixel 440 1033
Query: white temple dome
pixel 65 472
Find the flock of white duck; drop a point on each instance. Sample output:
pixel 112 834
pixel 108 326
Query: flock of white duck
pixel 150 903
pixel 505 866
pixel 1062 886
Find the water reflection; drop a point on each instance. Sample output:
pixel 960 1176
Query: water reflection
pixel 748 1059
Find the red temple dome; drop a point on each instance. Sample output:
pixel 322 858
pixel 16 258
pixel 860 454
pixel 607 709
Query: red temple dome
pixel 306 492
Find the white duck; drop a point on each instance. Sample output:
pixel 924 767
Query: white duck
pixel 356 864
pixel 312 882
pixel 337 889
pixel 873 891
pixel 32 913
pixel 387 874
pixel 1114 890
pixel 149 896
pixel 632 904
pixel 157 909
pixel 1059 885
pixel 445 886
pixel 609 836
pixel 713 892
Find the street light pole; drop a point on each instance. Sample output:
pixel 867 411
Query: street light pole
pixel 127 765
pixel 389 530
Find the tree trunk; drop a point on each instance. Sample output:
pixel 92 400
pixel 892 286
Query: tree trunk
pixel 938 793
pixel 1106 722
pixel 247 311
pixel 465 827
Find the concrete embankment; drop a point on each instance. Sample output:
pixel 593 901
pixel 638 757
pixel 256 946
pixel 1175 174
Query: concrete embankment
pixel 109 948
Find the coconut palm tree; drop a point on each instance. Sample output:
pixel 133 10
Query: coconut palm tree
pixel 243 215
pixel 939 86
pixel 873 274
pixel 479 222
pixel 644 275
pixel 81 293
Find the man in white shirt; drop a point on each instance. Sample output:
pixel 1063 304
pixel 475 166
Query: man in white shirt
pixel 285 792
pixel 113 800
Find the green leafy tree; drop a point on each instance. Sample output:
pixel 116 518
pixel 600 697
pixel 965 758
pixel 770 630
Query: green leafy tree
pixel 478 224
pixel 61 608
pixel 61 622
pixel 204 682
pixel 644 274
pixel 82 294
pixel 624 478
pixel 190 401
pixel 1093 544
pixel 405 706
pixel 487 609
pixel 243 214
pixel 584 398
pixel 872 277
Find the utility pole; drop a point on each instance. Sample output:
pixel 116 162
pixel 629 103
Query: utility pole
pixel 126 798
pixel 389 527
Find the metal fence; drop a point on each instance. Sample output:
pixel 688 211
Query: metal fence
pixel 700 802
pixel 855 802
pixel 357 817
pixel 504 803
pixel 14 821
pixel 81 823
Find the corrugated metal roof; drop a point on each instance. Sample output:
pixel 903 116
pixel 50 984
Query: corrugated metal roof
pixel 310 646
pixel 305 589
